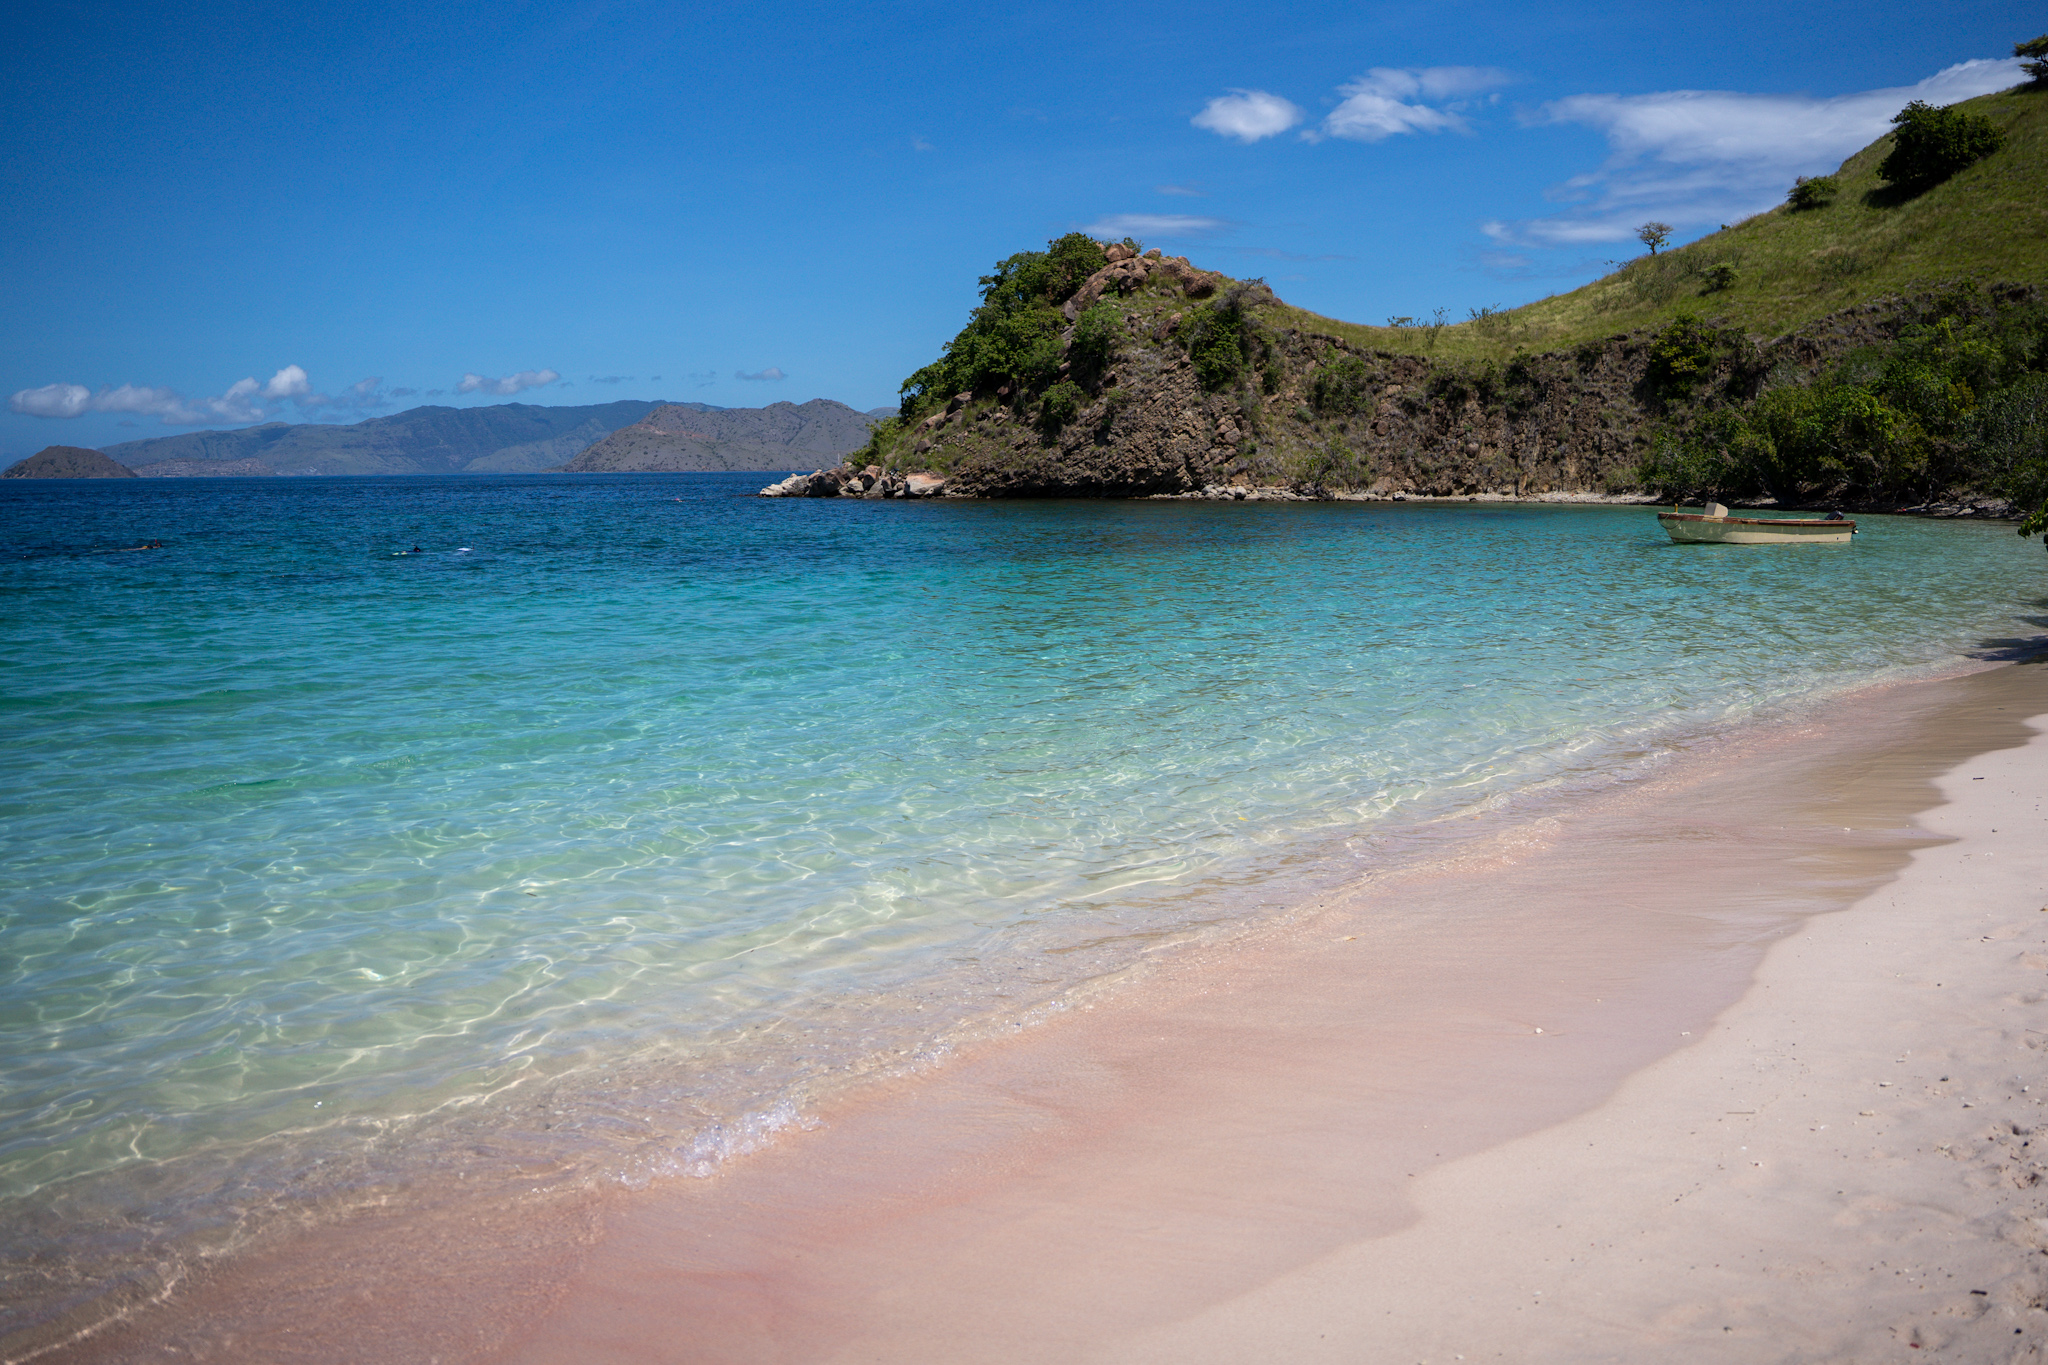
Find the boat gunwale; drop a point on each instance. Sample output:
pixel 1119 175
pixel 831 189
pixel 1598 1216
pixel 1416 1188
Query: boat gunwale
pixel 1756 521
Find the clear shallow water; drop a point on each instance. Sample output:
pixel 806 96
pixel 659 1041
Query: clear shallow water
pixel 595 837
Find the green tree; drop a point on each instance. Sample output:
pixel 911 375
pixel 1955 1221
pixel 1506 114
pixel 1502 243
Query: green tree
pixel 1682 355
pixel 1932 144
pixel 1654 235
pixel 1011 340
pixel 2037 50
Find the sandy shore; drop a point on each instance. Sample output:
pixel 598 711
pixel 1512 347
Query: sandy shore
pixel 1520 1108
pixel 1737 1063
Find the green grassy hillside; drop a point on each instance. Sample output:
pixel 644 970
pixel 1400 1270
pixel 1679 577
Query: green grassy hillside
pixel 1988 224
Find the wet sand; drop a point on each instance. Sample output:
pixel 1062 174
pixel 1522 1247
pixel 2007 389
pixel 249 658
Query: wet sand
pixel 1503 1106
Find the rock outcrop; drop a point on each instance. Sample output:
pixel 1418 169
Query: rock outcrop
pixel 67 462
pixel 845 481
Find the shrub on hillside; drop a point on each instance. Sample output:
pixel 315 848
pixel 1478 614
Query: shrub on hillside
pixel 1060 403
pixel 1340 388
pixel 1097 335
pixel 1223 338
pixel 1812 192
pixel 1682 355
pixel 1326 470
pixel 1933 143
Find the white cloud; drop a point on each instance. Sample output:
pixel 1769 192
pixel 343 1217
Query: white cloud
pixel 1141 225
pixel 510 384
pixel 1181 191
pixel 1248 115
pixel 1695 157
pixel 241 403
pixel 1386 101
pixel 770 375
pixel 363 393
pixel 289 382
pixel 52 400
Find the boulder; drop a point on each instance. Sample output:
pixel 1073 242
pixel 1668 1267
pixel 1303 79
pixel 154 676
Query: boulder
pixel 923 485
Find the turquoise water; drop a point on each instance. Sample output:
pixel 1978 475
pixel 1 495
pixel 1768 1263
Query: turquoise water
pixel 602 833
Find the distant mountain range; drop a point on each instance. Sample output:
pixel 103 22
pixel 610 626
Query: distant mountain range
pixel 688 437
pixel 515 438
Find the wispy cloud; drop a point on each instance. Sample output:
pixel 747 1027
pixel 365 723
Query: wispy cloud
pixel 1695 157
pixel 1182 191
pixel 612 379
pixel 1169 225
pixel 1390 101
pixel 769 375
pixel 509 385
pixel 1248 115
pixel 918 144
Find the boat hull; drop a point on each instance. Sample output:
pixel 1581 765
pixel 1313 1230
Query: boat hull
pixel 1690 529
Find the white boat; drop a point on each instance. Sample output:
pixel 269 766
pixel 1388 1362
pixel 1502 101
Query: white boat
pixel 1713 526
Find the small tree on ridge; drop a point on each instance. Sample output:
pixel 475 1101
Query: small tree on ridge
pixel 1654 235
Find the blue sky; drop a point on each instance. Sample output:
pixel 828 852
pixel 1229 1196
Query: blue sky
pixel 220 214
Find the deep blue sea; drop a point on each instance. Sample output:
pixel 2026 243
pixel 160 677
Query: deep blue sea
pixel 632 810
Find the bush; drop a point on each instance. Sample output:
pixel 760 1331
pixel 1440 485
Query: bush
pixel 1340 388
pixel 1716 278
pixel 1681 356
pixel 1060 403
pixel 1812 192
pixel 1222 338
pixel 1837 439
pixel 1932 144
pixel 1334 466
pixel 1097 336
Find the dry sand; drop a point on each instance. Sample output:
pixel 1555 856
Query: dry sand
pixel 1732 1064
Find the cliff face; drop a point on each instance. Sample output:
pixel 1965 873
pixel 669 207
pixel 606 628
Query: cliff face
pixel 67 462
pixel 1208 382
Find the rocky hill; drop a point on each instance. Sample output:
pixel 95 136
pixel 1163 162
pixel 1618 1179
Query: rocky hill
pixel 690 438
pixel 1094 369
pixel 66 462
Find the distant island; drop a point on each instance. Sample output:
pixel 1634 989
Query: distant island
pixel 504 438
pixel 67 462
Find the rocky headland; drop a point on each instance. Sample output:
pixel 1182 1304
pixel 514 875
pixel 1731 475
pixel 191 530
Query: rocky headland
pixel 1176 381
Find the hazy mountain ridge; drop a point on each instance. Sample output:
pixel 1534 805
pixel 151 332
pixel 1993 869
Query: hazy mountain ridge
pixel 501 438
pixel 686 438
